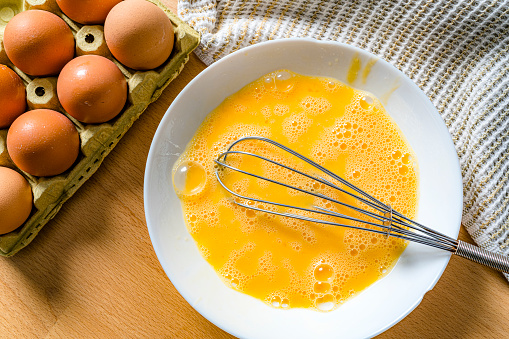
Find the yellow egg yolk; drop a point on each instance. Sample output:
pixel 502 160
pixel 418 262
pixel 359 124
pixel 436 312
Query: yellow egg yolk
pixel 289 263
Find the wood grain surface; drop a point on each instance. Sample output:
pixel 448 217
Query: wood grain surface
pixel 92 271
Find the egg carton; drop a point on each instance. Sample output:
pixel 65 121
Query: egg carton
pixel 49 193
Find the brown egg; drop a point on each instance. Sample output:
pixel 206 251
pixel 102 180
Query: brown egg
pixel 139 34
pixel 12 96
pixel 38 42
pixel 92 89
pixel 43 142
pixel 15 200
pixel 87 11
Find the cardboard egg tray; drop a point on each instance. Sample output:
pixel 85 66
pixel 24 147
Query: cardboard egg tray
pixel 49 193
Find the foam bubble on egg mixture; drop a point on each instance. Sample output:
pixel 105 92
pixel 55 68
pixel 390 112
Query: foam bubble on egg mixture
pixel 284 262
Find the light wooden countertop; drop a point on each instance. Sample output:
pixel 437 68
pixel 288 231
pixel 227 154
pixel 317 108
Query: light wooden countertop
pixel 92 271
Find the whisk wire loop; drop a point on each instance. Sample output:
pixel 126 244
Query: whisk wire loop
pixel 382 219
pixel 318 195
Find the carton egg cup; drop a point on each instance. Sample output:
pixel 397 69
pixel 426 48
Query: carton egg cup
pixel 97 140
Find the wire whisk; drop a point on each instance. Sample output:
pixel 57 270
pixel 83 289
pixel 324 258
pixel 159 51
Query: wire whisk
pixel 376 217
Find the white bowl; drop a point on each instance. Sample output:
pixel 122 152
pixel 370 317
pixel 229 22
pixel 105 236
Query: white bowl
pixel 381 305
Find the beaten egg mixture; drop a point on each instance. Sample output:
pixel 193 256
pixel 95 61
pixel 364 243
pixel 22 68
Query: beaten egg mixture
pixel 285 262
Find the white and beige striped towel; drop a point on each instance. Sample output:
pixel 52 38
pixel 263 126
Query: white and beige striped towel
pixel 457 51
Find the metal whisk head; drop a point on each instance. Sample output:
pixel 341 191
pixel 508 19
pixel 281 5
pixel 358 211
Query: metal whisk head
pixel 377 217
pixel 374 216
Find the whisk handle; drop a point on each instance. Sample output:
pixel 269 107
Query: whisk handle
pixel 481 256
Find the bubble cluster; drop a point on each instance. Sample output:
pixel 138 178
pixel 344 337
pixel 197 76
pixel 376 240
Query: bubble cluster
pixel 205 252
pixel 285 262
pixel 281 110
pixel 296 125
pixel 295 245
pixel 197 215
pixel 315 106
pixel 265 265
pixel 239 108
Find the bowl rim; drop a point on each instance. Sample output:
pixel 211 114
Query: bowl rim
pixel 210 70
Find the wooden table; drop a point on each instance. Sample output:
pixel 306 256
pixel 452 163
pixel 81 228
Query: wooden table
pixel 92 271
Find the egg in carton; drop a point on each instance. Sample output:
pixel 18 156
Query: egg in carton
pixel 97 140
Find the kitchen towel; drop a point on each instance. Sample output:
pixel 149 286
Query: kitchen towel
pixel 456 51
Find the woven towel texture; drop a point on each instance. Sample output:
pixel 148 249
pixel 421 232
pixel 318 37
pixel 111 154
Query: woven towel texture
pixel 456 51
